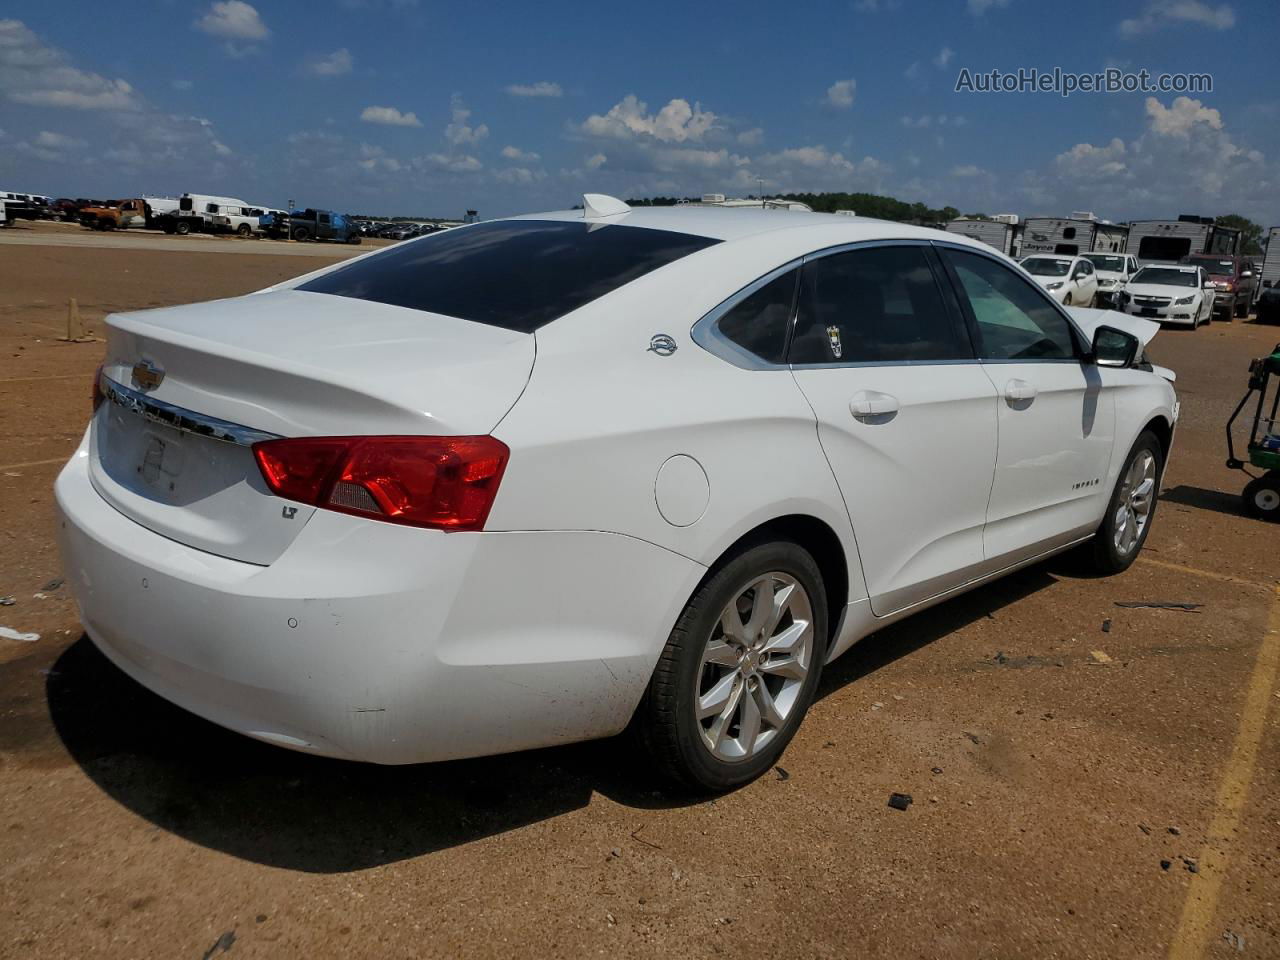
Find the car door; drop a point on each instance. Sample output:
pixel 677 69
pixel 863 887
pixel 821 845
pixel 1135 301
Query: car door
pixel 1056 422
pixel 906 416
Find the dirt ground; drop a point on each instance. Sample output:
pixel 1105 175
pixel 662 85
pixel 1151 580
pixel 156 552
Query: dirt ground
pixel 1089 780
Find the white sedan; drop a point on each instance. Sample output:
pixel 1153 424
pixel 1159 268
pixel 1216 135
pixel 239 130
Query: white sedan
pixel 1170 293
pixel 1069 280
pixel 536 480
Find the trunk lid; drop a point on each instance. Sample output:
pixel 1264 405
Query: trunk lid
pixel 175 455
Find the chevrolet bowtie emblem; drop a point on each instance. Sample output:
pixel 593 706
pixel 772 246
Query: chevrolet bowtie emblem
pixel 146 375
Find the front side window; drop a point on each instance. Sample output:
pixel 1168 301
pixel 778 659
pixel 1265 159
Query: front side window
pixel 1016 321
pixel 516 274
pixel 758 323
pixel 876 305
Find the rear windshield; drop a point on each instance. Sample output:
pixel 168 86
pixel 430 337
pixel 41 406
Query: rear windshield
pixel 517 274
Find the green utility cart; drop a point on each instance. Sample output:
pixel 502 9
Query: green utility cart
pixel 1262 495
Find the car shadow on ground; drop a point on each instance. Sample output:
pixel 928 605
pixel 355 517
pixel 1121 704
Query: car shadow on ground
pixel 300 812
pixel 1202 499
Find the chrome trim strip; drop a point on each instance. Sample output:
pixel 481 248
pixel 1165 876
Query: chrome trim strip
pixel 706 331
pixel 188 421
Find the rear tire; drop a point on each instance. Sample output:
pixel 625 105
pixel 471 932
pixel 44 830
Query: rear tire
pixel 1262 497
pixel 1131 509
pixel 244 230
pixel 722 705
pixel 301 233
pixel 182 228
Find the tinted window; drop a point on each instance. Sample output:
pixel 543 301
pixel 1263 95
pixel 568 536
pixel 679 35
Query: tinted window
pixel 876 305
pixel 1015 320
pixel 758 323
pixel 517 274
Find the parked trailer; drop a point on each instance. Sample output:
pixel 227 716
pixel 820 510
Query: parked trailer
pixel 1068 237
pixel 1271 261
pixel 1168 241
pixel 993 233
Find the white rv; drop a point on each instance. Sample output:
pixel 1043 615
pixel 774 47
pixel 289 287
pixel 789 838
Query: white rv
pixel 1069 236
pixel 197 210
pixel 994 233
pixel 1168 241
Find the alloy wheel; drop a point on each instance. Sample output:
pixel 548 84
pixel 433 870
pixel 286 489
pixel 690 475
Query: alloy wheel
pixel 754 666
pixel 1137 495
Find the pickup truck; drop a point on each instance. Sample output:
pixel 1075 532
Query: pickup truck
pixel 136 212
pixel 312 224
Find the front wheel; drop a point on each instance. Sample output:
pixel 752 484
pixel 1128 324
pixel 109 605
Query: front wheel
pixel 182 228
pixel 1132 507
pixel 244 230
pixel 302 233
pixel 1262 497
pixel 738 671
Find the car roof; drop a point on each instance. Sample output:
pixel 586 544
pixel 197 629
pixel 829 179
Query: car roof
pixel 1181 267
pixel 734 223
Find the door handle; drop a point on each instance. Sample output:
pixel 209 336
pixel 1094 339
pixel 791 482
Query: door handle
pixel 872 403
pixel 1019 390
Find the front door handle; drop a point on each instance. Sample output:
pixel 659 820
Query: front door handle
pixel 872 403
pixel 1016 390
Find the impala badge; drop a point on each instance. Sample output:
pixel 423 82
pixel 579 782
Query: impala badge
pixel 662 344
pixel 146 375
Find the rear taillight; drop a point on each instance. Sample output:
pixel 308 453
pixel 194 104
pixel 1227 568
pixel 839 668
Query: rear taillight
pixel 447 483
pixel 97 395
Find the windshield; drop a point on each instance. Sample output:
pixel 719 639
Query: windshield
pixel 517 274
pixel 1166 277
pixel 1046 266
pixel 1103 261
pixel 1219 268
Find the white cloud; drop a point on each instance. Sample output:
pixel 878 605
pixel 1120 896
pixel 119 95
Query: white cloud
pixel 541 89
pixel 1178 120
pixel 979 7
pixel 750 138
pixel 1166 13
pixel 1086 160
pixel 520 156
pixel 943 58
pixel 596 161
pixel 967 170
pixel 181 85
pixel 522 175
pixel 59 141
pixel 459 131
pixel 375 158
pixel 913 71
pixel 233 20
pixel 676 122
pixel 336 64
pixel 451 163
pixel 36 74
pixel 390 117
pixel 1184 159
pixel 841 93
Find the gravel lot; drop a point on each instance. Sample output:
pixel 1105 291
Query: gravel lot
pixel 1054 765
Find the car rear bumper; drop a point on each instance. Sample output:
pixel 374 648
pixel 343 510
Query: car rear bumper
pixel 378 642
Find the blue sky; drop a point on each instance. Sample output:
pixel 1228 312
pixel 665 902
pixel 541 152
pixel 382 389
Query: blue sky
pixel 422 107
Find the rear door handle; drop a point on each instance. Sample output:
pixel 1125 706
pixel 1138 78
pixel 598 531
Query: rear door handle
pixel 872 403
pixel 1019 390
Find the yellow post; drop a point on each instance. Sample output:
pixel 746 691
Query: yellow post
pixel 76 332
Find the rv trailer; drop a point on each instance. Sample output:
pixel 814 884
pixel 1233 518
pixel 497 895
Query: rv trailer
pixel 994 233
pixel 1168 241
pixel 1068 236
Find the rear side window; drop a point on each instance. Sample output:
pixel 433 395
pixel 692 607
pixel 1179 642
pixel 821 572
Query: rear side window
pixel 758 323
pixel 516 274
pixel 878 305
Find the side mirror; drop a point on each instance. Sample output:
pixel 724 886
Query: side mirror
pixel 1207 285
pixel 1114 348
pixel 1245 274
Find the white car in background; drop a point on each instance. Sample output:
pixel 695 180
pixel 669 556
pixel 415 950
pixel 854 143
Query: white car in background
pixel 536 480
pixel 1069 280
pixel 1170 293
pixel 1113 272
